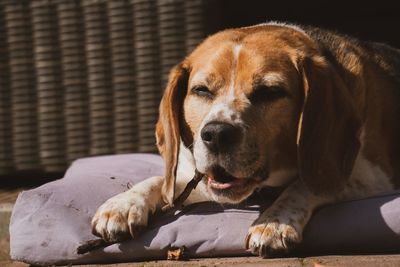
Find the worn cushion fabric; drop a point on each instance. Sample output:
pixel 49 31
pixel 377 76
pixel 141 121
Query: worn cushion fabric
pixel 49 222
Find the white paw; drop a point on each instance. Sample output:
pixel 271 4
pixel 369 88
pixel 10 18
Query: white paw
pixel 271 238
pixel 120 216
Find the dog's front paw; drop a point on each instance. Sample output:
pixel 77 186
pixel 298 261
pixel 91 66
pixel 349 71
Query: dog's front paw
pixel 120 217
pixel 271 239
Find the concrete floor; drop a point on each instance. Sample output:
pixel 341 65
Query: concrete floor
pixel 7 199
pixel 331 261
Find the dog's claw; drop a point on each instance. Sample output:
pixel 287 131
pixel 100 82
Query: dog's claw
pixel 271 239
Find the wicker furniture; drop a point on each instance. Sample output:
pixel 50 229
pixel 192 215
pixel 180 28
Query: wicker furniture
pixel 81 78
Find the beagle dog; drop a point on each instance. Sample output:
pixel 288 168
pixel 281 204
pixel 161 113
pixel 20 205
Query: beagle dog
pixel 274 105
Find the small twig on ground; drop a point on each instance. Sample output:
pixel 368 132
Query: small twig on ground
pixel 178 254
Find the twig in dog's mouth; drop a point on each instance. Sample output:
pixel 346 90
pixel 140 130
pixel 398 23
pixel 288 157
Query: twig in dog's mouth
pixel 93 244
pixel 178 202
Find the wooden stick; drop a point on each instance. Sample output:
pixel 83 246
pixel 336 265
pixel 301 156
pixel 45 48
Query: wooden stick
pixel 93 244
pixel 178 202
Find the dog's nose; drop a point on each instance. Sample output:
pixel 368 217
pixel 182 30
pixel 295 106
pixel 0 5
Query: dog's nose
pixel 220 136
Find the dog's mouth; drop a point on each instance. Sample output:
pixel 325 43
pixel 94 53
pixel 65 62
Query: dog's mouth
pixel 220 179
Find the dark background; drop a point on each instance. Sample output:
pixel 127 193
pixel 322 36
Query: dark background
pixel 368 20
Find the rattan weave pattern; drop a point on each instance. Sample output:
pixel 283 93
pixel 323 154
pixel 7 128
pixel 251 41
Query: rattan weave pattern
pixel 123 76
pixel 48 85
pixel 98 76
pixel 146 48
pixel 6 163
pixel 171 29
pixel 76 109
pixel 85 77
pixel 22 86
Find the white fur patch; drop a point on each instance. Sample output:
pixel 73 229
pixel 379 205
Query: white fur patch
pixel 274 79
pixel 287 25
pixel 186 171
pixel 186 165
pixel 366 179
pixel 231 91
pixel 366 174
pixel 281 24
pixel 199 78
pixel 236 51
pixel 224 111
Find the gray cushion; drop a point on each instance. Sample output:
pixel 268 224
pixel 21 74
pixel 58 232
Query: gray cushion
pixel 49 222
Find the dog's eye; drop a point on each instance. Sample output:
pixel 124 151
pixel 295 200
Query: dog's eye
pixel 202 91
pixel 263 94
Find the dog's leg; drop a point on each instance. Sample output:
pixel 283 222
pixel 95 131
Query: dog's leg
pixel 125 213
pixel 280 227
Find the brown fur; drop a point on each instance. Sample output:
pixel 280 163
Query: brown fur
pixel 171 128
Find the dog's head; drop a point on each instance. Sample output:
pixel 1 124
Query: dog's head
pixel 258 106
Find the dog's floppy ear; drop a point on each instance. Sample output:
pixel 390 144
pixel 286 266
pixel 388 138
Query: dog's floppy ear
pixel 171 127
pixel 328 136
